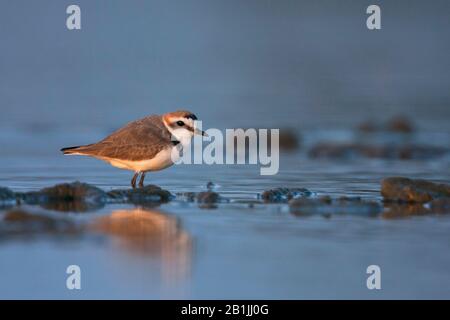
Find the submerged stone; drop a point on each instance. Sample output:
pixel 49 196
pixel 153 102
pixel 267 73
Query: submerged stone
pixel 208 197
pixel 325 199
pixel 409 190
pixel 310 206
pixel 284 194
pixel 149 193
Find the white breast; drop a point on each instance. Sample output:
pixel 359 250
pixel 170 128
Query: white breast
pixel 162 160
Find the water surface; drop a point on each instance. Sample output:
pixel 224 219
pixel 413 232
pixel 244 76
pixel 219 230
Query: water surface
pixel 309 65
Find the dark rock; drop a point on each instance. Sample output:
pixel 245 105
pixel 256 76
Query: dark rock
pixel 7 198
pixel 208 197
pixel 409 190
pixel 72 206
pixel 400 124
pixel 149 193
pixel 81 197
pixel 6 194
pixel 289 140
pixel 75 191
pixel 284 194
pixel 205 199
pixel 325 199
pixel 75 196
pixel 311 206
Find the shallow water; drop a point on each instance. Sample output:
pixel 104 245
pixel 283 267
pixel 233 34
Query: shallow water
pixel 236 250
pixel 309 65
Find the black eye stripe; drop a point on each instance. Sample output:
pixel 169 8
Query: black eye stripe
pixel 191 116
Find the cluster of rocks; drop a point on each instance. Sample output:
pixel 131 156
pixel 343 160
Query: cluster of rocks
pixel 402 147
pixel 393 143
pixel 79 197
pixel 82 197
pixel 401 197
pixel 303 202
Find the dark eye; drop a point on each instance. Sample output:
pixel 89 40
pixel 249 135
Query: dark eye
pixel 180 123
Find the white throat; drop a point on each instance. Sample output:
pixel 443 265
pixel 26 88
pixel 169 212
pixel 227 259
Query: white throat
pixel 182 135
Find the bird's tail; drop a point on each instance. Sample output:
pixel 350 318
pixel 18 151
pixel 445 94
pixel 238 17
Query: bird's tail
pixel 78 150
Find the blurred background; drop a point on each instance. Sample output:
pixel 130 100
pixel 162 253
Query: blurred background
pixel 353 106
pixel 252 63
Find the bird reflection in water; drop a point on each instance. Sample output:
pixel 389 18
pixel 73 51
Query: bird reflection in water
pixel 150 233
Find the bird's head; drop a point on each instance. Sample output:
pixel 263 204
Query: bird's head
pixel 181 124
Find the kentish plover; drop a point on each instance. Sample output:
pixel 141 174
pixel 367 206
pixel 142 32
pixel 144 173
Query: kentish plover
pixel 148 144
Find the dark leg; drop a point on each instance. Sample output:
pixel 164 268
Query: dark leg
pixel 133 181
pixel 141 181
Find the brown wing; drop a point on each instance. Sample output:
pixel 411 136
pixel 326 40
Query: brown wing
pixel 139 140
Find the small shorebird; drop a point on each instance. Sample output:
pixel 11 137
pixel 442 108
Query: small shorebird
pixel 148 144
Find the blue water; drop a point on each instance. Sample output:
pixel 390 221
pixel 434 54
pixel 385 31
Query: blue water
pixel 264 64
